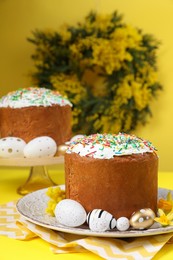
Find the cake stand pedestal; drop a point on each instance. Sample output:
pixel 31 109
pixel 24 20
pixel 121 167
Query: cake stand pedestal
pixel 38 179
pixel 38 175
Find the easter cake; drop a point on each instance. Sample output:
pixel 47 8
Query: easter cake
pixel 116 173
pixel 32 112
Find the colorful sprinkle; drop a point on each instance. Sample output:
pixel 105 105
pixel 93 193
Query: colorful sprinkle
pixel 33 97
pixel 110 145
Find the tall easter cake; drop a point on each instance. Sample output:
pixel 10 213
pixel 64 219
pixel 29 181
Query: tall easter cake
pixel 116 173
pixel 32 112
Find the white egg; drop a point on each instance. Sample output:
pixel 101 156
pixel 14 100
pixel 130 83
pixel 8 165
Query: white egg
pixel 43 146
pixel 100 220
pixel 123 224
pixel 70 213
pixel 11 147
pixel 100 225
pixel 75 138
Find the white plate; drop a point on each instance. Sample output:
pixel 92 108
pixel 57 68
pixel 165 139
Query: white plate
pixel 32 207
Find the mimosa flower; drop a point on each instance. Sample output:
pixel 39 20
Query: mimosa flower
pixel 163 219
pixel 106 68
pixel 56 195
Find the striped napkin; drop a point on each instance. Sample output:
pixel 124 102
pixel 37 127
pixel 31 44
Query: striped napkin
pixel 15 226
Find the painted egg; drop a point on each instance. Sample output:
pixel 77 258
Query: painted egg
pixel 123 224
pixel 70 213
pixel 100 220
pixel 142 219
pixel 62 149
pixel 12 147
pixel 43 146
pixel 75 138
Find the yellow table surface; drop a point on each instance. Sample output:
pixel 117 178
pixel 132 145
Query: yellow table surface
pixel 11 178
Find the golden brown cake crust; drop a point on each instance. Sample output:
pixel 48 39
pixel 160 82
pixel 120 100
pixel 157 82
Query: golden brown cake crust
pixel 30 122
pixel 121 185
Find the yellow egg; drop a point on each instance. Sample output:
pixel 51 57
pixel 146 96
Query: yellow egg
pixel 62 149
pixel 142 219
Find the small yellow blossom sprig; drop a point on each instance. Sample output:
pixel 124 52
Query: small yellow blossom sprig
pixel 56 194
pixel 164 219
pixel 165 211
pixel 105 67
pixel 166 204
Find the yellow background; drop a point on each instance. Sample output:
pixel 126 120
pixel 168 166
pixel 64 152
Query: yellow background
pixel 19 17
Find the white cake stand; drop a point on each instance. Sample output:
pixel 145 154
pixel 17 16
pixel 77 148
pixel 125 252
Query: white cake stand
pixel 38 175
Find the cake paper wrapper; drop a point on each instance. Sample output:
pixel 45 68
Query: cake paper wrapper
pixel 15 226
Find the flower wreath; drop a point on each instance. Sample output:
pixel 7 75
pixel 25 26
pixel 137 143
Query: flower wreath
pixel 105 67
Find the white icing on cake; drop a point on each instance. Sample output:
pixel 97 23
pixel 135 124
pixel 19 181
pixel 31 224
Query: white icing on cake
pixel 107 146
pixel 33 97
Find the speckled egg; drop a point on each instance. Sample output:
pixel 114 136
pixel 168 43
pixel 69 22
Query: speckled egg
pixel 123 224
pixel 100 220
pixel 12 147
pixel 142 219
pixel 43 146
pixel 70 213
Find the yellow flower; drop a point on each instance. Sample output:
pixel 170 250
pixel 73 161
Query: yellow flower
pixel 124 91
pixel 65 33
pixel 82 45
pixel 107 127
pixel 69 85
pixel 104 56
pixel 163 219
pixel 76 113
pixel 166 205
pixel 56 194
pixel 51 207
pixel 129 36
pixel 109 54
pixel 75 51
pixel 101 22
